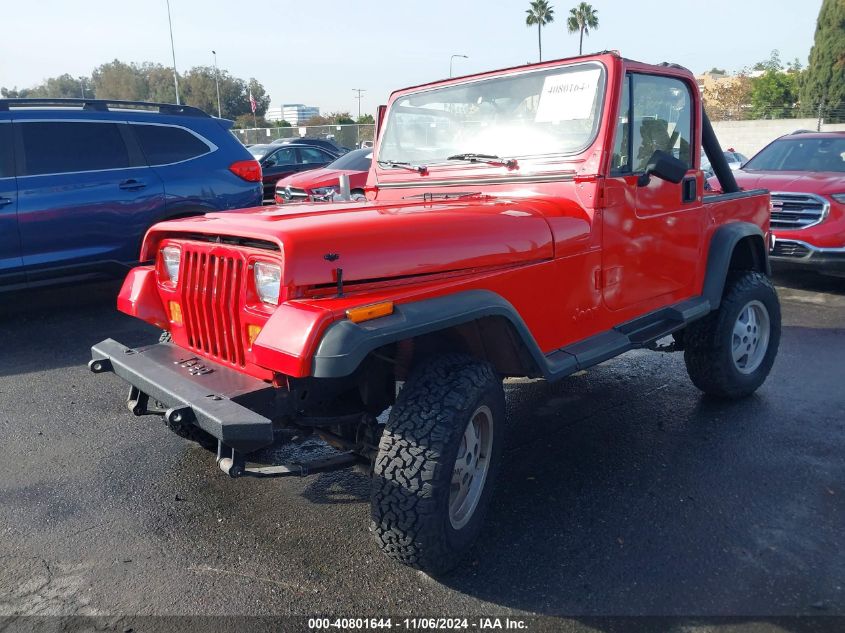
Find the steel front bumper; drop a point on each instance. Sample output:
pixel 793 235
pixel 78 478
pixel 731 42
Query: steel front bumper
pixel 227 404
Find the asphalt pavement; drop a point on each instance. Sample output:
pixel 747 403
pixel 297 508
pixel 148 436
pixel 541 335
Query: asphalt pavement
pixel 624 492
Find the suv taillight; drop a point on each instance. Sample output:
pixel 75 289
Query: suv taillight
pixel 249 170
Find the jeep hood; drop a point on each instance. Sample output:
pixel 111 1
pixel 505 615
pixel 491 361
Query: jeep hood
pixel 372 241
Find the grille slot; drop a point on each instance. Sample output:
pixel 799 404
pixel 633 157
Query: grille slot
pixel 211 289
pixel 797 210
pixel 788 248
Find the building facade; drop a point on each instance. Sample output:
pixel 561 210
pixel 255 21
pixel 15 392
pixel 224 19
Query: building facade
pixel 298 113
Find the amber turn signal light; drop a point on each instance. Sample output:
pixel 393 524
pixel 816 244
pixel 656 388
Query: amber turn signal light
pixel 366 313
pixel 175 312
pixel 252 332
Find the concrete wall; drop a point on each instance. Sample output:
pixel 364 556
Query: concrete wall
pixel 749 137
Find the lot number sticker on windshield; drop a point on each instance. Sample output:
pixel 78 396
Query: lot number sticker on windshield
pixel 568 96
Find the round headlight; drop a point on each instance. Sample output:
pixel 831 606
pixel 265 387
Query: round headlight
pixel 268 279
pixel 171 256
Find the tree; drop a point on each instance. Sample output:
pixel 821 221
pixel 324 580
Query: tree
pixel 117 80
pixel 366 119
pixel 154 82
pixel 823 86
pixel 61 87
pixel 727 99
pixel 246 121
pixel 773 63
pixel 332 118
pixel 774 95
pixel 541 13
pixel 262 99
pixel 581 19
pixel 160 86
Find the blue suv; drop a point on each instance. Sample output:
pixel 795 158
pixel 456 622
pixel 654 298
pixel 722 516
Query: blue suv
pixel 81 181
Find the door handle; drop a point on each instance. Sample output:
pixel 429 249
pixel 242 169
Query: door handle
pixel 689 192
pixel 132 185
pixel 5 201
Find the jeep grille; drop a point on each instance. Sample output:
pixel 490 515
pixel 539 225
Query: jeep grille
pixel 797 210
pixel 212 287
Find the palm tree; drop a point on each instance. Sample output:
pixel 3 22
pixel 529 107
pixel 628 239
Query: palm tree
pixel 541 13
pixel 582 18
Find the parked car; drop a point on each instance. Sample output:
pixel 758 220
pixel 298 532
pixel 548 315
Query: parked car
pixel 580 241
pixel 81 181
pixel 806 174
pixel 278 161
pixel 322 184
pixel 328 145
pixel 734 159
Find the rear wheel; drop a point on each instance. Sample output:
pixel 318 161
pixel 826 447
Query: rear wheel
pixel 730 352
pixel 437 462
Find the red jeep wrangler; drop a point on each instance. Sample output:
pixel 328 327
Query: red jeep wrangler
pixel 532 221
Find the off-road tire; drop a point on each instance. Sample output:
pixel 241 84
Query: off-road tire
pixel 189 431
pixel 416 459
pixel 707 343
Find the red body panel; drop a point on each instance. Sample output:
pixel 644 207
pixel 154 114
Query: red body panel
pixel 139 297
pixel 574 250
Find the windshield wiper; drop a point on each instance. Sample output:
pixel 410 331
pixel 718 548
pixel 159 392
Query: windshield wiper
pixel 490 159
pixel 421 169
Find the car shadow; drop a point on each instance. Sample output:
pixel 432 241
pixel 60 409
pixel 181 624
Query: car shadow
pixel 55 327
pixel 631 503
pixel 808 280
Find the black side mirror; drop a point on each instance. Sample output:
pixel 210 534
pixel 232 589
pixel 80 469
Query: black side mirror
pixel 664 166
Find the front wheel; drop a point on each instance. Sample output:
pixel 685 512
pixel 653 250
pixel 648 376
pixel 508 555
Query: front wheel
pixel 437 461
pixel 730 352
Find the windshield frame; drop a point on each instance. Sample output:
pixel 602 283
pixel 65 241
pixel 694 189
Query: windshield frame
pixel 445 164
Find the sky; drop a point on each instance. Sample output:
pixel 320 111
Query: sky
pixel 318 52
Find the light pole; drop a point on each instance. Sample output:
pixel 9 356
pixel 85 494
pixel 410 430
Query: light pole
pixel 217 82
pixel 360 92
pixel 173 51
pixel 452 59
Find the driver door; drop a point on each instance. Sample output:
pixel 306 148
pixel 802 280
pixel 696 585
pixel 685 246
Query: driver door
pixel 651 232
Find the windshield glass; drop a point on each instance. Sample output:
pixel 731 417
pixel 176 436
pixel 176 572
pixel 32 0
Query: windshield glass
pixel 356 160
pixel 553 111
pixel 797 154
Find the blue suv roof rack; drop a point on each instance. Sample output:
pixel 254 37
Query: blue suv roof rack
pixel 103 105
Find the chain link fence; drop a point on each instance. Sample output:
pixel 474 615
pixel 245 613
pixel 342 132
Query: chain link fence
pixel 822 113
pixel 350 136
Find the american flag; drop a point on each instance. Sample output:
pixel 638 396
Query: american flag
pixel 252 104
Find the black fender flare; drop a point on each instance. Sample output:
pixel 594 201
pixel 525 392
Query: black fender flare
pixel 722 246
pixel 345 344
